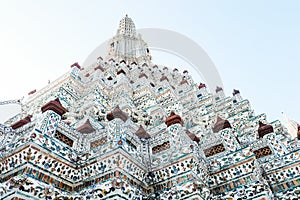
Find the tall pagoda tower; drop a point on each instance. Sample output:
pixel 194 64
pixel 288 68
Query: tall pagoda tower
pixel 127 45
pixel 125 128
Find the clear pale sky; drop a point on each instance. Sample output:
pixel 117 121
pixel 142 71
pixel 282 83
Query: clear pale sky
pixel 255 45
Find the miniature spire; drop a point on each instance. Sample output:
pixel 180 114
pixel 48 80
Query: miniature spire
pixel 237 95
pixel 219 93
pixel 292 126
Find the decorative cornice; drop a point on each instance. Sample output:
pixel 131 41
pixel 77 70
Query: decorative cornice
pixel 99 67
pixel 192 136
pixel 76 65
pixel 86 127
pixel 55 106
pixel 220 125
pixel 235 92
pixel 219 89
pixel 141 133
pixel 117 113
pixel 201 85
pixel 21 122
pixel 264 129
pixel 173 119
pixel 164 78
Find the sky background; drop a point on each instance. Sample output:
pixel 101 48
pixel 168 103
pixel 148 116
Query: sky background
pixel 255 45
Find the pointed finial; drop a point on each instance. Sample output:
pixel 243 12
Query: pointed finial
pixel 218 89
pixel 201 85
pixel 235 92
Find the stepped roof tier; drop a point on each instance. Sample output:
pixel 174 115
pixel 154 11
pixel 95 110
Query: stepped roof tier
pixel 125 128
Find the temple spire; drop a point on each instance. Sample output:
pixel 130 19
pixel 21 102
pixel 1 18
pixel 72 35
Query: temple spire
pixel 127 27
pixel 291 125
pixel 127 45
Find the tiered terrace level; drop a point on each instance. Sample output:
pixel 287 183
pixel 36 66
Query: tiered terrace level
pixel 124 128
